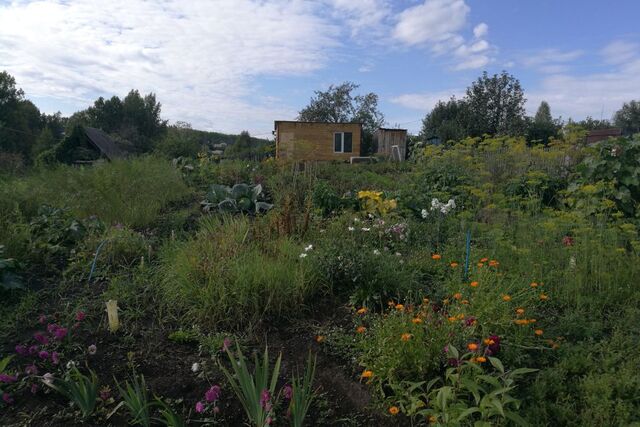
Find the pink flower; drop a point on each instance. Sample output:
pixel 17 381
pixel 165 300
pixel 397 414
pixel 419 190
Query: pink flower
pixel 212 394
pixel 92 349
pixel 287 391
pixel 31 370
pixel 216 410
pixel 269 420
pixel 33 350
pixel 80 315
pixel 226 344
pixel 52 327
pixel 265 399
pixel 41 338
pixel 60 333
pixel 7 379
pixel 7 398
pixel 55 358
pixel 567 241
pixel 44 355
pixel 21 350
pixel 199 407
pixel 42 319
pixel 34 388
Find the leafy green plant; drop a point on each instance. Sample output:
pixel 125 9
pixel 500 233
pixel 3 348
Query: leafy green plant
pixel 169 417
pixel 302 393
pixel 239 198
pixel 8 277
pixel 256 391
pixel 80 389
pixel 136 398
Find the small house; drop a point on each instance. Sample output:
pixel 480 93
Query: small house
pixel 601 134
pixel 317 140
pixel 391 143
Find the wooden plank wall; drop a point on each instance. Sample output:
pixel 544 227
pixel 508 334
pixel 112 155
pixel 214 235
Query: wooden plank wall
pixel 314 141
pixel 387 138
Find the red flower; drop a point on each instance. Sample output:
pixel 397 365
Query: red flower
pixel 80 316
pixel 567 241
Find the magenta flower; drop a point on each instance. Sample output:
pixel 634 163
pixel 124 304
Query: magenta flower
pixel 55 358
pixel 7 398
pixel 226 344
pixel 31 370
pixel 567 241
pixel 287 391
pixel 8 379
pixel 44 355
pixel 199 407
pixel 34 388
pixel 469 321
pixel 21 350
pixel 212 394
pixel 33 350
pixel 453 362
pixel 52 327
pixel 60 333
pixel 265 399
pixel 80 315
pixel 41 338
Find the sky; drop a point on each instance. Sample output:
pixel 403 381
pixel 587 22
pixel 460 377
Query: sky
pixel 232 65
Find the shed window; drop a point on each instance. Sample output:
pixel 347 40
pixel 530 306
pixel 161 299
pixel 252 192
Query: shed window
pixel 343 142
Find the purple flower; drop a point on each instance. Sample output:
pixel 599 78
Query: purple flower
pixel 21 350
pixel 33 350
pixel 80 315
pixel 493 349
pixel 226 344
pixel 31 370
pixel 469 321
pixel 7 379
pixel 287 391
pixel 212 394
pixel 41 338
pixel 60 333
pixel 44 355
pixel 105 393
pixel 199 407
pixel 265 399
pixel 7 398
pixel 453 362
pixel 52 327
pixel 34 388
pixel 92 349
pixel 42 319
pixel 269 420
pixel 55 358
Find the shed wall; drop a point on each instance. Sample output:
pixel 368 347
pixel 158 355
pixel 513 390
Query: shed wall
pixel 314 141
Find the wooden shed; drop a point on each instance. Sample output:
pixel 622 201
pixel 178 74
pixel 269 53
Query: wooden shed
pixel 602 134
pixel 317 140
pixel 391 143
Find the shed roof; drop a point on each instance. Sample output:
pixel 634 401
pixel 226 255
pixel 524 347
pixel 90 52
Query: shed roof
pixel 392 129
pixel 606 132
pixel 104 143
pixel 327 123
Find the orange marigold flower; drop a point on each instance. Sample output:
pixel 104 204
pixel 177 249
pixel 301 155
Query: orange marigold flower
pixel 488 341
pixel 520 311
pixel 453 264
pixel 539 332
pixel 493 263
pixel 481 359
pixel 472 346
pixel 544 297
pixel 521 322
pixel 474 284
pixel 533 285
pixel 436 256
pixel 532 320
pixel 319 338
pixel 399 307
pixel 416 320
pixel 464 301
pixel 363 310
pixel 394 410
pixel 457 295
pixel 452 319
pixel 367 374
pixel 481 264
pixel 506 298
pixel 361 329
pixel 485 259
pixel 406 336
pixel 460 316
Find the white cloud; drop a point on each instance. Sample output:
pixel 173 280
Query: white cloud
pixel 619 51
pixel 431 21
pixel 199 57
pixel 480 30
pixel 425 101
pixel 551 60
pixel 361 15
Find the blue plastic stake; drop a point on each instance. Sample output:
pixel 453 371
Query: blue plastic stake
pixel 95 259
pixel 466 261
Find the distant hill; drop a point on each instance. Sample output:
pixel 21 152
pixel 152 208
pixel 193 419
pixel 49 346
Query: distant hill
pixel 211 138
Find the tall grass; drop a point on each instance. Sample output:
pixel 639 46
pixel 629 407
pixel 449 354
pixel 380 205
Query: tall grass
pixel 131 192
pixel 222 276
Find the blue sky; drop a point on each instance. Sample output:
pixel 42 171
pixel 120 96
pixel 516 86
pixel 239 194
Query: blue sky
pixel 229 65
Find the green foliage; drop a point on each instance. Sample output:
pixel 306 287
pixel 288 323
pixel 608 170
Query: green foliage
pixel 302 393
pixel 136 399
pixel 169 417
pixel 239 198
pixel 180 141
pixel 256 391
pixel 447 121
pixel 80 389
pixel 9 279
pixel 327 200
pixel 246 147
pixel 627 118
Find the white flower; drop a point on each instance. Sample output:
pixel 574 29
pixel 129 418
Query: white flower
pixel 424 213
pixel 48 378
pixel 376 252
pixel 365 229
pixel 303 255
pixel 195 367
pixel 71 364
pixel 356 219
pixel 398 254
pixel 308 248
pixel 92 349
pixel 351 228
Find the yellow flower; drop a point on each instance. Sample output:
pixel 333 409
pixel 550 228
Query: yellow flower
pixel 432 419
pixel 394 410
pixel 474 284
pixel 493 263
pixel 445 301
pixel 406 337
pixel 464 302
pixel 436 256
pixel 366 374
pixel 472 346
pixel 416 320
pixel 533 285
pixel 399 307
pixel 481 359
pixel 480 264
pixel 457 295
pixel 363 310
pixel 519 311
pixel 452 319
pixel 425 300
pixel 506 298
pixel 539 332
pixel 488 341
pixel 544 297
pixel 460 316
pixel 319 338
pixel 453 264
pixel 361 329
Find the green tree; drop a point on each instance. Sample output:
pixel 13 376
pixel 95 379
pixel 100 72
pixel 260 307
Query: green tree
pixel 590 123
pixel 496 105
pixel 628 118
pixel 242 148
pixel 20 119
pixel 179 141
pixel 339 104
pixel 543 126
pixel 447 121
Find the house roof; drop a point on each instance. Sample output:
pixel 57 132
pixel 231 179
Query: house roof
pixel 104 143
pixel 606 132
pixel 328 123
pixel 393 129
